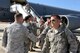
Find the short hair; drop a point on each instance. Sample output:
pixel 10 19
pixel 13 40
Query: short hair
pixel 27 17
pixel 17 15
pixel 57 16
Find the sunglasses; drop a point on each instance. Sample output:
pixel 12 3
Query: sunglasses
pixel 53 21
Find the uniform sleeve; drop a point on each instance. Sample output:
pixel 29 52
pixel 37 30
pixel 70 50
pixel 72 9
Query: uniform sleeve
pixel 30 35
pixel 44 32
pixel 4 38
pixel 46 45
pixel 73 42
pixel 36 25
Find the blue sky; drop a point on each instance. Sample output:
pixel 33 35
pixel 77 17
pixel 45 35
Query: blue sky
pixel 67 4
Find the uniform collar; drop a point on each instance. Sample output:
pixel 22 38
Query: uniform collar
pixel 17 23
pixel 60 29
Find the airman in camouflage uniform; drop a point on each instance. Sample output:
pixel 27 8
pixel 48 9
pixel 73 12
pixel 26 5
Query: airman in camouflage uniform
pixel 32 27
pixel 15 36
pixel 44 32
pixel 60 39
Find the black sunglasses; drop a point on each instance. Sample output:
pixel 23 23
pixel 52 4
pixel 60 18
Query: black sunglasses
pixel 53 20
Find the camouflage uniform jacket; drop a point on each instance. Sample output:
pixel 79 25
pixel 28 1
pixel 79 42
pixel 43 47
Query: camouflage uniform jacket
pixel 14 37
pixel 60 41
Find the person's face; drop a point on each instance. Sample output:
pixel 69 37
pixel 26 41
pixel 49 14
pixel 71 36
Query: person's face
pixel 21 19
pixel 31 18
pixel 54 21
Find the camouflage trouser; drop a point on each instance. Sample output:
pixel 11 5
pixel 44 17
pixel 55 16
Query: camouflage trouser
pixel 26 47
pixel 46 51
pixel 41 43
pixel 32 45
pixel 42 40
